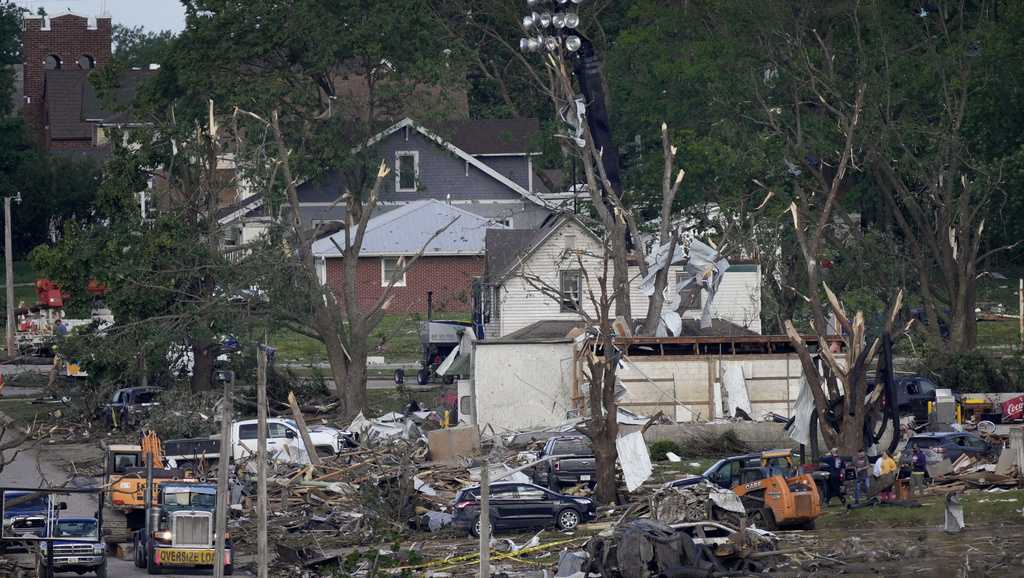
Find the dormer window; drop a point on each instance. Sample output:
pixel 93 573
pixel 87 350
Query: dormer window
pixel 407 171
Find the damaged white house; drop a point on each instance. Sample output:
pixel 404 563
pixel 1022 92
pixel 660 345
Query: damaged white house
pixel 562 256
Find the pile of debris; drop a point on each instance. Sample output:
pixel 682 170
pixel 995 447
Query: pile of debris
pixel 970 472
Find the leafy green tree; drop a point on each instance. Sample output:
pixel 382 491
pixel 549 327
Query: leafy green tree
pixel 290 70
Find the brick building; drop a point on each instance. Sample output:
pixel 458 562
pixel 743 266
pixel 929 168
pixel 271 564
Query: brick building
pixel 450 262
pixel 60 52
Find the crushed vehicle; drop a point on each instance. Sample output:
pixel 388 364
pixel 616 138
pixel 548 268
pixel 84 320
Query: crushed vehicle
pixel 574 465
pixel 948 445
pixel 645 547
pixel 130 405
pixel 181 530
pixel 773 490
pixel 81 557
pixel 284 443
pixel 516 505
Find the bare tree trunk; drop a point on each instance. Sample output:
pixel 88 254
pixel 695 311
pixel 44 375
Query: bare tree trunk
pixel 202 366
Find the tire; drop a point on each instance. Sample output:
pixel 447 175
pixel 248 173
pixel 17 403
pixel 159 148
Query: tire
pixel 553 483
pixel 151 567
pixel 568 519
pixel 448 379
pixel 423 376
pixel 808 525
pixel 140 561
pixel 764 519
pixel 101 572
pixel 474 528
pixel 229 570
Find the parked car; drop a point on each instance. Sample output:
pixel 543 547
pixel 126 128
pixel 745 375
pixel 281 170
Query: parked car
pixel 130 404
pixel 70 555
pixel 575 464
pixel 515 505
pixel 947 445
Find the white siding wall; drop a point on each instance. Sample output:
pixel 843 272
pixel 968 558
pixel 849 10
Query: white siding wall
pixel 521 304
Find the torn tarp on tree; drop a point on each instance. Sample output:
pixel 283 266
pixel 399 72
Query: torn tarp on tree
pixel 704 267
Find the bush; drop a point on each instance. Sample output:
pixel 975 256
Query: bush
pixel 662 447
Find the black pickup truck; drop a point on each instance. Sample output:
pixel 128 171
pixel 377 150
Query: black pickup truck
pixel 574 464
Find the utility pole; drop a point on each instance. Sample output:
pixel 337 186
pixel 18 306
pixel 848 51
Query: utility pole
pixel 9 262
pixel 1020 312
pixel 223 465
pixel 485 520
pixel 262 556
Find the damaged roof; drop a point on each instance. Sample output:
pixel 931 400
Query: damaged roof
pixel 408 228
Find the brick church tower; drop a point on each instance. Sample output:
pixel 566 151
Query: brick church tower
pixel 62 49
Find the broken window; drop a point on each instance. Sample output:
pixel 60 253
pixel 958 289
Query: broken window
pixel 571 289
pixel 407 170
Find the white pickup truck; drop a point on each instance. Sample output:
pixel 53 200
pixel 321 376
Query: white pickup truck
pixel 283 443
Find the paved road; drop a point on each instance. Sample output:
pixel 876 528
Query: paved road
pixel 45 465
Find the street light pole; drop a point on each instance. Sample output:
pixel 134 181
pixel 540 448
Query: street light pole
pixel 9 259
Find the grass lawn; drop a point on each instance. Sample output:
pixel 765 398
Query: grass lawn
pixel 667 471
pixel 382 401
pixel 397 338
pixel 998 333
pixel 979 508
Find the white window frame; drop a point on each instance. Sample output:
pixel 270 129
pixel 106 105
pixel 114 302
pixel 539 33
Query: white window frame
pixel 415 169
pixel 384 280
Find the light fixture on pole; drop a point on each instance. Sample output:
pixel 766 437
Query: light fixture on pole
pixel 573 43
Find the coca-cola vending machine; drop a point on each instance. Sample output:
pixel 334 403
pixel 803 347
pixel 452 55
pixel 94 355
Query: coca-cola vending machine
pixel 1013 409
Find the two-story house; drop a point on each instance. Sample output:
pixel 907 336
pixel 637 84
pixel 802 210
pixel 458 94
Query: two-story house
pixel 485 167
pixel 550 274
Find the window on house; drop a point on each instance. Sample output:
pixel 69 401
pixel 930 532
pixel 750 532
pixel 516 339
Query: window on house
pixel 391 268
pixel 407 170
pixel 503 221
pixel 52 62
pixel 495 292
pixel 690 296
pixel 86 62
pixel 571 288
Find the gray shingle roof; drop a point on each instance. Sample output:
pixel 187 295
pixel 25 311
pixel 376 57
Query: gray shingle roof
pixel 506 246
pixel 408 228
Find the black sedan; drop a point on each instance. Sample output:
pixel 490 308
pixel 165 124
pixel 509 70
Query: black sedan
pixel 515 505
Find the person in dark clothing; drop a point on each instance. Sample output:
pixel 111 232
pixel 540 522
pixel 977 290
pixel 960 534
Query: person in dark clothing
pixel 919 465
pixel 833 464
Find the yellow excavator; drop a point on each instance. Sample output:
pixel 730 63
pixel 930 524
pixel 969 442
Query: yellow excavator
pixel 125 472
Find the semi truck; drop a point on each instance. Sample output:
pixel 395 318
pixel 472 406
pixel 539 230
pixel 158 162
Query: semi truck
pixel 179 533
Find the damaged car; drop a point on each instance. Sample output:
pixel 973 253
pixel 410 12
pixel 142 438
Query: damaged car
pixel 516 505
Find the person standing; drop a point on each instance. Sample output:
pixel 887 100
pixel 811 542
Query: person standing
pixel 862 467
pixel 834 466
pixel 919 465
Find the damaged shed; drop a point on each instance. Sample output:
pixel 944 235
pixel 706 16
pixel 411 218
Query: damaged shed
pixel 532 378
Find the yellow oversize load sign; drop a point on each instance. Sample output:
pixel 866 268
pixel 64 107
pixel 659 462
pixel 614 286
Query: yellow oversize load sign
pixel 176 556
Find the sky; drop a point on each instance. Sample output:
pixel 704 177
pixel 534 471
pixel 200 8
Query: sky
pixel 153 15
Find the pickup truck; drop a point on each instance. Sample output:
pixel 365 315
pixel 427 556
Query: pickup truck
pixel 70 555
pixel 129 405
pixel 573 465
pixel 283 443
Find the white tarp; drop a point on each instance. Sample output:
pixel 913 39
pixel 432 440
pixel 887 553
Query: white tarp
pixel 635 460
pixel 800 431
pixel 736 387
